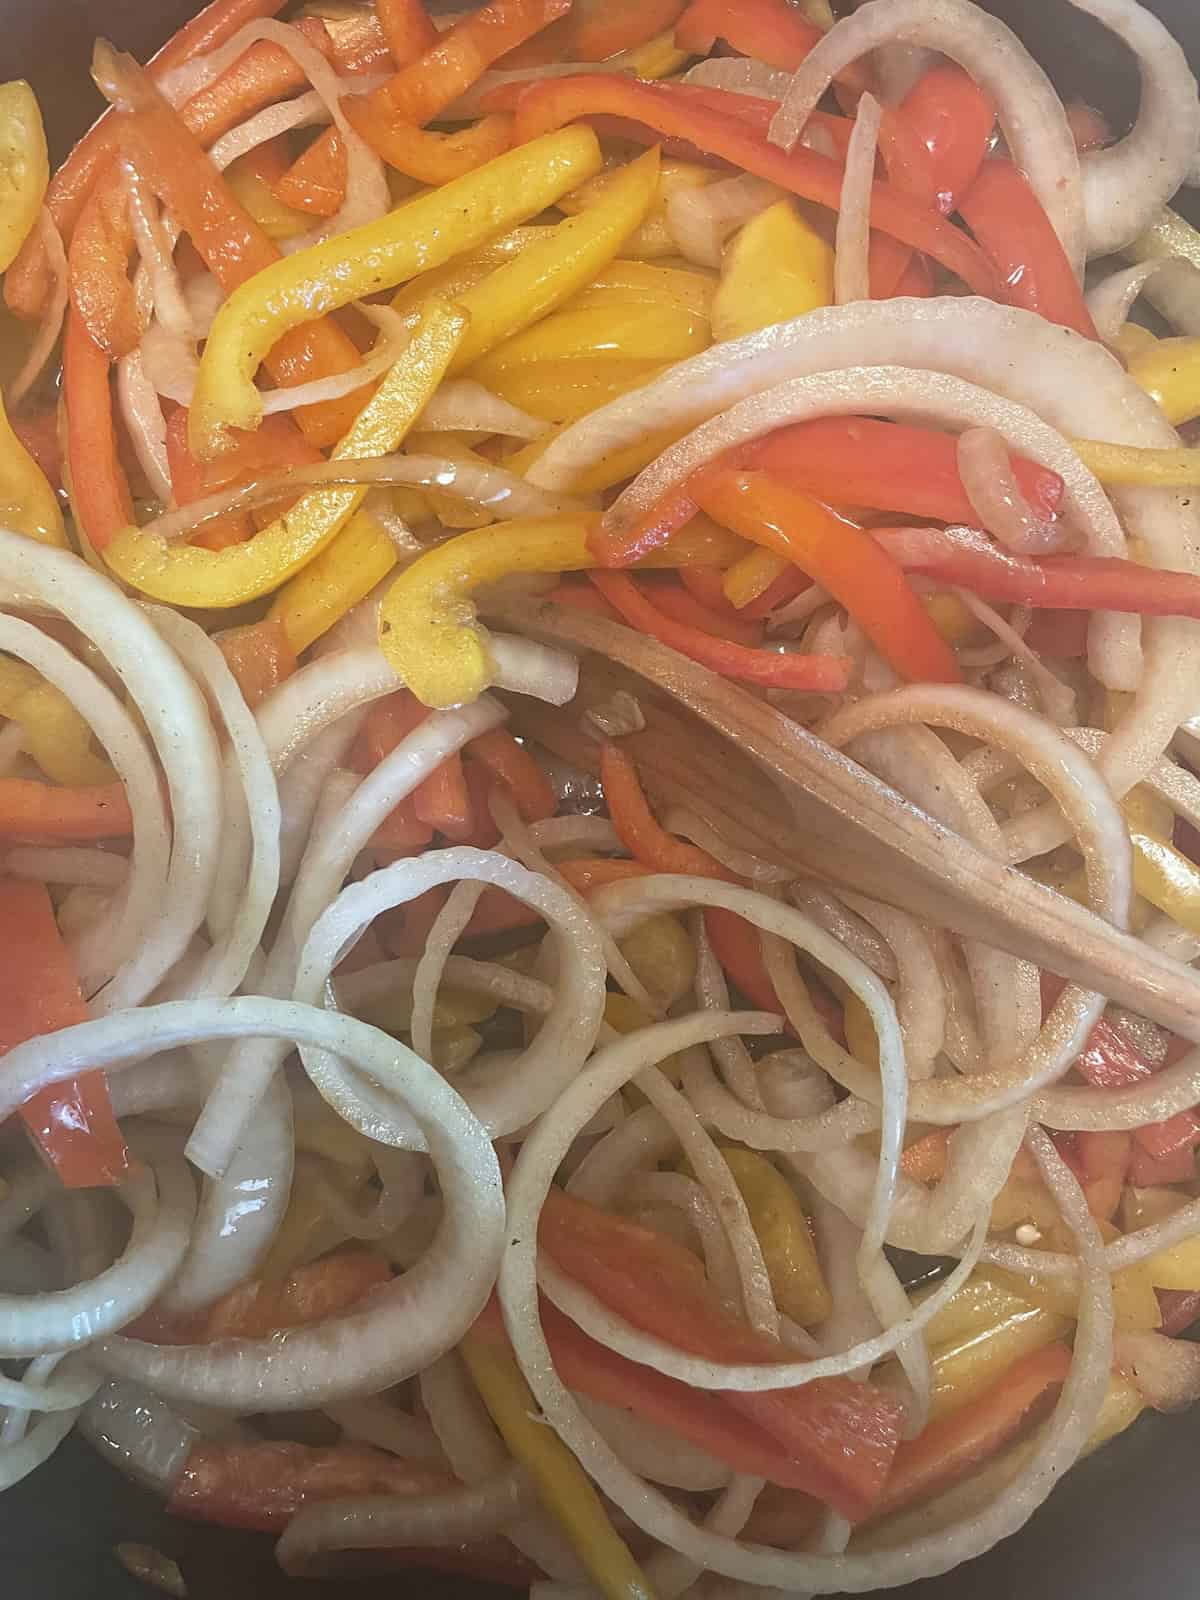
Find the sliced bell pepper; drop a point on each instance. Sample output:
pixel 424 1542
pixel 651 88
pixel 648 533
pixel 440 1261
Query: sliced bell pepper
pixel 407 27
pixel 678 111
pixel 32 812
pixel 27 283
pixel 253 177
pixel 512 765
pixel 783 1231
pixel 28 503
pixel 596 30
pixel 775 268
pixel 952 119
pixel 189 576
pixel 945 1451
pixel 682 606
pixel 56 735
pixel 773 31
pixel 99 490
pixel 810 673
pixel 1007 219
pixel 334 581
pixel 425 232
pixel 24 167
pixel 639 829
pixel 277 444
pixel 73 1121
pixel 260 656
pixel 428 83
pixel 1169 371
pixel 759 582
pixel 1068 583
pixel 841 558
pixel 849 461
pixel 562 1485
pixel 843 1432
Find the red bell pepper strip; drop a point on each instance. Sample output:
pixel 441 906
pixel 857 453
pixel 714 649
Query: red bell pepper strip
pixel 512 765
pixel 417 91
pixel 440 801
pixel 98 266
pixel 952 119
pixel 1008 221
pixel 673 110
pixel 811 673
pixel 1179 1307
pixel 36 812
pixel 1151 1172
pixel 38 432
pixel 257 1309
pixel 586 873
pixel 841 558
pixel 677 602
pixel 947 1450
pixel 769 30
pixel 27 281
pixel 443 801
pixel 1058 633
pixel 841 1435
pixel 640 831
pixel 1068 583
pixel 275 444
pixel 231 243
pixel 707 584
pixel 578 595
pixel 597 29
pixel 407 27
pixel 790 583
pixel 1089 127
pixel 260 656
pixel 73 1121
pixel 99 488
pixel 849 461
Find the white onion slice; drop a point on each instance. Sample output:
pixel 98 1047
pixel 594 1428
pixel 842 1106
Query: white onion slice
pixel 1172 283
pixel 996 498
pixel 1030 112
pixel 144 422
pixel 740 75
pixel 701 219
pixel 851 274
pixel 461 403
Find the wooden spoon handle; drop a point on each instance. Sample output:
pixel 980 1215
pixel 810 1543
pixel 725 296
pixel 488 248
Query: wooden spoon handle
pixel 867 836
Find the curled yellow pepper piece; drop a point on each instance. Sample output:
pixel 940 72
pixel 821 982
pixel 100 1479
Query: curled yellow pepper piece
pixel 27 502
pixel 1169 371
pixel 776 267
pixel 778 1220
pixel 427 625
pixel 570 255
pixel 1177 468
pixel 339 577
pixel 422 233
pixel 24 167
pixel 189 575
pixel 562 1485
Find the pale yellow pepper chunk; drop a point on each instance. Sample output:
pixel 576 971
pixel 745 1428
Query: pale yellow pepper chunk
pixel 776 267
pixel 24 167
pixel 1169 371
pixel 783 1232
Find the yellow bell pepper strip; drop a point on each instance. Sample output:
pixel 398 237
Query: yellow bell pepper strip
pixel 336 579
pixel 653 239
pixel 625 330
pixel 1170 373
pixel 680 288
pixel 1135 1305
pixel 1006 1326
pixel 443 660
pixel 662 954
pixel 563 391
pixel 776 267
pixel 840 557
pixel 562 1485
pixel 24 167
pixel 1177 468
pixel 188 575
pixel 28 504
pixel 546 274
pixel 56 736
pixel 797 1281
pixel 752 576
pixel 1165 877
pixel 424 232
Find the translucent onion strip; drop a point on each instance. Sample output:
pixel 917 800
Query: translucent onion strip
pixel 851 276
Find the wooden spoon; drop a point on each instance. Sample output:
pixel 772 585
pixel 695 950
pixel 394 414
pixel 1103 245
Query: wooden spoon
pixel 860 832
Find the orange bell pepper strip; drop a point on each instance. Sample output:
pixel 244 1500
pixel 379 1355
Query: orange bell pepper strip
pixel 676 111
pixel 811 673
pixel 276 444
pixel 27 282
pixel 444 802
pixel 316 180
pixel 257 1309
pixel 1009 223
pixel 950 120
pixel 417 91
pixel 34 812
pixel 260 656
pixel 840 1435
pixel 512 765
pixel 1180 1308
pixel 842 559
pixel 849 461
pixel 440 802
pixel 232 245
pixel 407 27
pixel 947 1450
pixel 681 605
pixel 99 489
pixel 735 944
pixel 586 873
pixel 73 1121
pixel 98 266
pixel 773 31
